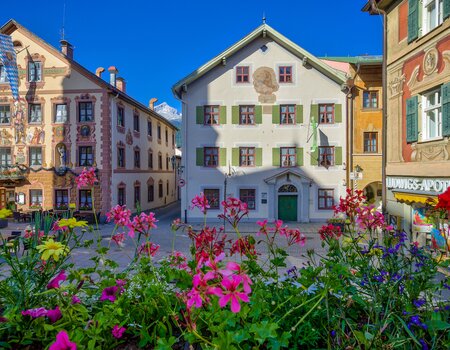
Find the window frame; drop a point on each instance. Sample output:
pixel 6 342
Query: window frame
pixel 120 117
pixel 121 161
pixel 87 197
pixel 137 159
pixel 426 109
pixel 246 115
pixel 290 165
pixel 30 108
pixel 137 195
pixel 369 149
pixel 244 198
pixel 149 128
pixel 242 77
pixel 284 77
pixel 136 123
pixel 325 113
pixel 121 195
pixel 211 115
pixel 160 190
pixel 214 205
pixel 205 151
pixel 247 163
pixel 55 119
pixel 40 197
pixel 325 196
pixel 332 153
pixel 80 154
pixel 59 194
pixel 36 72
pixel 150 160
pixel 7 107
pixel 31 155
pixel 80 109
pixel 287 114
pixel 370 106
pixel 5 157
pixel 3 76
pixel 439 16
pixel 150 193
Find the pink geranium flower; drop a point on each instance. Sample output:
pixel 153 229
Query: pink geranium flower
pixel 200 202
pixel 230 294
pixel 54 283
pixel 35 313
pixel 118 238
pixel 142 223
pixel 87 178
pixel 148 248
pixel 63 342
pixel 118 332
pixel 234 268
pixel 109 293
pixel 120 215
pixel 54 315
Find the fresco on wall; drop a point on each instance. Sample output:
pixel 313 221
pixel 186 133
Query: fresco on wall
pixel 265 84
pixel 36 136
pixel 5 137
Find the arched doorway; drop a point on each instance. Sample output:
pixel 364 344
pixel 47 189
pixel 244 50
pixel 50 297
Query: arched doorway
pixel 373 192
pixel 287 202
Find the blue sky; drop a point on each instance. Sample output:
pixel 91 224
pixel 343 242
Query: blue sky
pixel 156 43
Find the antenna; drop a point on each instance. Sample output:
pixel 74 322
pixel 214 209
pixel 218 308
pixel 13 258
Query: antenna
pixel 63 21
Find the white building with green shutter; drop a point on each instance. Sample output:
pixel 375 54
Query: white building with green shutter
pixel 247 130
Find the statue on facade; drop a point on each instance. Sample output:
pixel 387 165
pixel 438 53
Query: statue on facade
pixel 62 156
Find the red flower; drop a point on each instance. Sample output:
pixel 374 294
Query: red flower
pixel 444 200
pixel 200 202
pixel 330 231
pixel 86 178
pixel 148 248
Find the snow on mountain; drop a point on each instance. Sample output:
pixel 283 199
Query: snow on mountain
pixel 172 115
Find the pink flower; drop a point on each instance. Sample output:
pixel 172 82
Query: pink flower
pixel 118 332
pixel 231 293
pixel 54 315
pixel 118 238
pixel 194 298
pixel 233 267
pixel 142 223
pixel 63 342
pixel 263 225
pixel 35 313
pixel 233 210
pixel 120 215
pixel 179 260
pixel 148 248
pixel 76 300
pixel 109 293
pixel 200 202
pixel 87 178
pixel 54 283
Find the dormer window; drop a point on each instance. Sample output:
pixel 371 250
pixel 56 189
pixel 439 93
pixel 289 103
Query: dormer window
pixel 34 71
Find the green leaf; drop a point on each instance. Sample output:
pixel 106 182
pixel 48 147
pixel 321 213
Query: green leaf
pixel 165 344
pixel 436 325
pixel 264 330
pixel 48 327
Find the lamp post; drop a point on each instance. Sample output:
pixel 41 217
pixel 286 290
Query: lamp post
pixel 228 174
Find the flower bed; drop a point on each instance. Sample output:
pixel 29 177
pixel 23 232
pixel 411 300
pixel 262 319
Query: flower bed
pixel 373 289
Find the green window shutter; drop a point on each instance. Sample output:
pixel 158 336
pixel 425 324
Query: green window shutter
pixel 200 157
pixel 412 119
pixel 223 115
pixel 299 114
pixel 413 20
pixel 222 156
pixel 275 114
pixel 258 114
pixel 446 10
pixel 315 157
pixel 315 112
pixel 258 156
pixel 337 155
pixel 200 115
pixel 299 156
pixel 235 114
pixel 235 156
pixel 445 98
pixel 338 113
pixel 275 156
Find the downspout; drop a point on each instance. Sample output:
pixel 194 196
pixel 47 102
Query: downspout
pixel 375 9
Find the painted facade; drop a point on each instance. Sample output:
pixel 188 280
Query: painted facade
pixel 70 121
pixel 418 103
pixel 248 134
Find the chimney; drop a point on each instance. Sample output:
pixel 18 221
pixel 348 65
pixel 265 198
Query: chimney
pixel 99 71
pixel 113 75
pixel 66 49
pixel 151 104
pixel 120 84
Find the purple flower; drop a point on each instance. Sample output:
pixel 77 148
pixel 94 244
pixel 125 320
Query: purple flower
pixel 54 283
pixel 63 342
pixel 76 300
pixel 424 344
pixel 54 315
pixel 117 331
pixel 333 333
pixel 35 313
pixel 109 293
pixel 419 302
pixel 416 321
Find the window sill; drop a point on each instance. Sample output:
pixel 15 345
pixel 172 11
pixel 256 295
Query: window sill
pixel 121 129
pixel 136 134
pixel 436 139
pixel 371 109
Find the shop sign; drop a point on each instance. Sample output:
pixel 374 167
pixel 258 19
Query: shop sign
pixel 417 184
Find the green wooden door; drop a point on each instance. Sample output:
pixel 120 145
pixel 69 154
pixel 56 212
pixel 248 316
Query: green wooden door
pixel 287 208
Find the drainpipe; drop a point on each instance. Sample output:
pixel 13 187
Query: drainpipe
pixel 375 9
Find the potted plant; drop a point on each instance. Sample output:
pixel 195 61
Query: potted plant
pixel 36 206
pixel 4 214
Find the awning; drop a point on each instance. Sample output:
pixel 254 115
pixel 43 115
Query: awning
pixel 409 198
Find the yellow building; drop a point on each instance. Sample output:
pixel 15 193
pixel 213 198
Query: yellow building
pixel 73 119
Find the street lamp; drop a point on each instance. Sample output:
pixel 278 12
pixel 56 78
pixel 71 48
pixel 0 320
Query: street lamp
pixel 358 171
pixel 228 174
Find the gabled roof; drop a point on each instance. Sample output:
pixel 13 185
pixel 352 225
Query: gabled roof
pixel 12 25
pixel 263 30
pixel 363 60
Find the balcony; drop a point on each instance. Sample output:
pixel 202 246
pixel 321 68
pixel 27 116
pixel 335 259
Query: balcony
pixel 12 173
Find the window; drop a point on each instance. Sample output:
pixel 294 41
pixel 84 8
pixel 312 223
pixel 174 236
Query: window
pixel 60 113
pixel 326 156
pixel 160 190
pixel 242 74
pixel 136 126
pixel 121 196
pixel 158 130
pixel 34 71
pixel 285 74
pixel 167 187
pixel 5 156
pixel 248 196
pixel 120 117
pixel 36 198
pixel 212 195
pixel 137 195
pixel 85 200
pixel 167 136
pixel 370 142
pixel 149 128
pixel 433 11
pixel 432 115
pixel 3 77
pixel 167 163
pixel 326 199
pixel 211 156
pixel 370 99
pixel 34 113
pixel 5 114
pixel 211 114
pixel 173 139
pixel 287 114
pixel 247 156
pixel 288 156
pixel 121 157
pixel 35 156
pixel 247 115
pixel 61 199
pixel 150 160
pixel 160 161
pixel 151 193
pixel 326 113
pixel 85 156
pixel 137 158
pixel 85 112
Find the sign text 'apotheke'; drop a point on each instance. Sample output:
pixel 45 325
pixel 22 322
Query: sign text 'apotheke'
pixel 417 184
